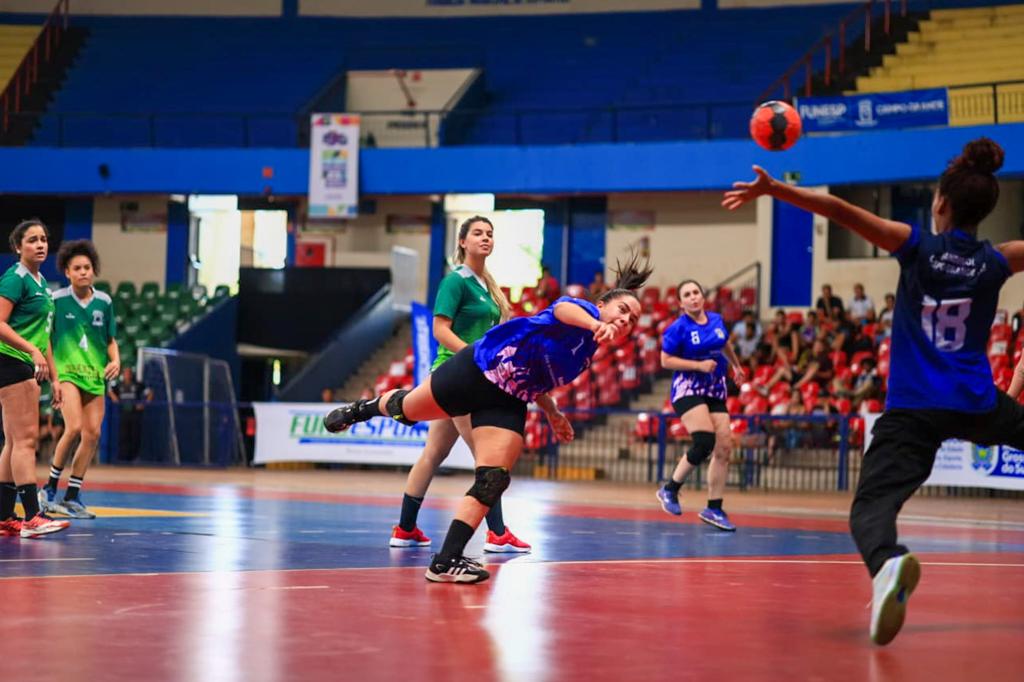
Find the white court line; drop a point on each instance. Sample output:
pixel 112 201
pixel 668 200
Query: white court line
pixel 299 587
pixel 583 532
pixel 79 535
pixel 627 532
pixel 126 533
pixel 808 537
pixel 312 532
pixel 761 535
pixel 18 561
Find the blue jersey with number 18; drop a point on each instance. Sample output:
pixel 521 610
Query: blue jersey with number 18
pixel 945 304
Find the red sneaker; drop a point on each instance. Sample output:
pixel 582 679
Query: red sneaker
pixel 411 538
pixel 41 524
pixel 9 527
pixel 505 543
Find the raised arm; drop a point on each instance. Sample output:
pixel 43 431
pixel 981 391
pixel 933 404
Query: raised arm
pixel 574 315
pixel 886 234
pixel 1014 254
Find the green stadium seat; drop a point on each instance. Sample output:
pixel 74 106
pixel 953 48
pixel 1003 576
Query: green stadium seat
pixel 144 339
pixel 150 291
pixel 222 291
pixel 199 292
pixel 102 285
pixel 144 317
pixel 126 290
pixel 132 328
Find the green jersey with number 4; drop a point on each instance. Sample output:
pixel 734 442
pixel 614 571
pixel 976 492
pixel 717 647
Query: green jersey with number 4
pixel 32 315
pixel 81 332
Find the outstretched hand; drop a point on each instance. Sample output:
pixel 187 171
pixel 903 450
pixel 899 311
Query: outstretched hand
pixel 742 192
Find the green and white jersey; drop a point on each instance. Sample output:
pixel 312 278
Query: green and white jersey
pixel 81 332
pixel 32 316
pixel 463 298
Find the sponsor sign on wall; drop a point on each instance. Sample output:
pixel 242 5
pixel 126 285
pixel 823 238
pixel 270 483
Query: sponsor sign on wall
pixel 910 109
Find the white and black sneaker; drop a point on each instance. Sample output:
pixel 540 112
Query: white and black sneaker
pixel 891 589
pixel 458 570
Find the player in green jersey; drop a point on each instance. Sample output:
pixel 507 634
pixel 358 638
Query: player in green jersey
pixel 26 359
pixel 87 357
pixel 469 302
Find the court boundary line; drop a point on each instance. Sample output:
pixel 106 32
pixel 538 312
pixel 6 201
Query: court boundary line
pixel 678 560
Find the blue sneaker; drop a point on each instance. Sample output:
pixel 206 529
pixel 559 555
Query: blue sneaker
pixel 48 503
pixel 669 501
pixel 76 509
pixel 717 518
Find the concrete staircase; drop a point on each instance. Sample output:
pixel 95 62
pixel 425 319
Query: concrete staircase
pixel 392 351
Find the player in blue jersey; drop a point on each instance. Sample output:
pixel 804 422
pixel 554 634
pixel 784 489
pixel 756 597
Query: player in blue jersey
pixel 492 380
pixel 940 383
pixel 697 347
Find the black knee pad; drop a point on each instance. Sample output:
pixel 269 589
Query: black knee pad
pixel 490 483
pixel 703 445
pixel 394 407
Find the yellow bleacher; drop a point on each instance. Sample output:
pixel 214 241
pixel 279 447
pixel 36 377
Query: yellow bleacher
pixel 15 42
pixel 961 47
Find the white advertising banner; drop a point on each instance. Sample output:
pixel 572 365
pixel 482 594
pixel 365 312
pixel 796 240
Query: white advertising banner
pixel 333 165
pixel 294 432
pixel 959 463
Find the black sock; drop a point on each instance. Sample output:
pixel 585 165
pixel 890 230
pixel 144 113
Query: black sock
pixel 459 535
pixel 29 495
pixel 8 496
pixel 673 486
pixel 410 512
pixel 74 487
pixel 715 504
pixel 54 477
pixel 495 519
pixel 369 409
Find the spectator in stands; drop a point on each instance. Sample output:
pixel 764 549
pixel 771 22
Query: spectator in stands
pixel 366 393
pixel 493 381
pixel 844 334
pixel 747 341
pixel 819 369
pixel 885 317
pixel 131 396
pixel 327 395
pixel 548 288
pixel 809 329
pixel 785 334
pixel 867 385
pixel 598 287
pixel 828 303
pixel 862 308
pixel 469 303
pixel 739 330
pixel 26 360
pixel 784 433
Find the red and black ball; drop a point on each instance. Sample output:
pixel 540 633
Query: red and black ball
pixel 775 126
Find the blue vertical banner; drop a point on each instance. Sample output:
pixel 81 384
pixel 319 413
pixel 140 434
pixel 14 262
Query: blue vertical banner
pixel 424 345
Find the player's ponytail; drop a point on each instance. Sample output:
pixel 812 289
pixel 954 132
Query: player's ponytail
pixel 629 277
pixel 969 183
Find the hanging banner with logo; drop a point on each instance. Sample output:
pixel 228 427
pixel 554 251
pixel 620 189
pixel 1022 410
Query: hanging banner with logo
pixel 959 463
pixel 333 165
pixel 909 109
pixel 294 432
pixel 424 345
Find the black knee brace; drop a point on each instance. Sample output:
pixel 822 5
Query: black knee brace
pixel 394 407
pixel 703 445
pixel 489 485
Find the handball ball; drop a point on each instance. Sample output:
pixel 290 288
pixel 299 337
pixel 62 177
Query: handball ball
pixel 775 126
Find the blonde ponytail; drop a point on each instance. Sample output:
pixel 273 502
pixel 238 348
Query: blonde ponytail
pixel 498 295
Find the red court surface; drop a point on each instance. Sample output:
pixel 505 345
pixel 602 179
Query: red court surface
pixel 720 614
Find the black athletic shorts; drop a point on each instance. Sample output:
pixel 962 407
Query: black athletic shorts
pixel 688 402
pixel 460 387
pixel 14 371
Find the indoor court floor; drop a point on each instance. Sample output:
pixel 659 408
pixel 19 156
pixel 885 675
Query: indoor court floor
pixel 280 575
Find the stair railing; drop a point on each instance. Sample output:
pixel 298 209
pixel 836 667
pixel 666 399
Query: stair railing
pixel 27 73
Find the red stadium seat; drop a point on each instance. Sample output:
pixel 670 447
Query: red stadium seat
pixel 873 406
pixel 857 431
pixel 843 405
pixel 999 362
pixel 733 404
pixel 738 426
pixel 748 296
pixel 838 358
pixel 762 374
pixel 646 426
pixel 870 329
pixel 810 391
pixel 759 405
pixel 1003 376
pixel 883 367
pixel 795 317
pixel 1000 332
pixel 676 430
pixel 884 347
pixel 576 291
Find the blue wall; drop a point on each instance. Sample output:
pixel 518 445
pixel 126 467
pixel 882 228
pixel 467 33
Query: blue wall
pixel 891 156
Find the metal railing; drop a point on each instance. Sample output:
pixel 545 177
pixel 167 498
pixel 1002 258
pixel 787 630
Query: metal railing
pixel 837 40
pixel 983 103
pixel 525 126
pixel 27 73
